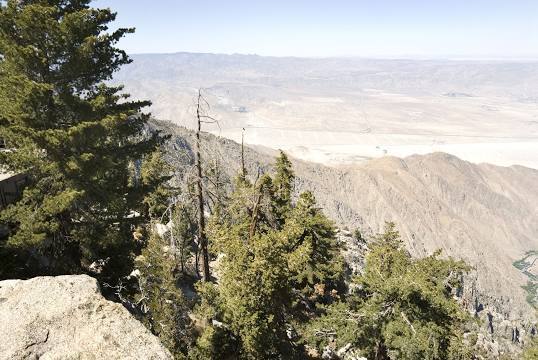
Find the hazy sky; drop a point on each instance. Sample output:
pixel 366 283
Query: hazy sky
pixel 382 28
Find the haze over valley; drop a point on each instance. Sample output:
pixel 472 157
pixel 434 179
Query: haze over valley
pixel 343 113
pixel 345 110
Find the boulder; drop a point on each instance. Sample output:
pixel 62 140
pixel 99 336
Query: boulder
pixel 66 317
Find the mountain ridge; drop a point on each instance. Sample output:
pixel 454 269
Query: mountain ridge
pixel 484 214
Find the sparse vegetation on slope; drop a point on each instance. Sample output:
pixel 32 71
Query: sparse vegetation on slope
pixel 399 308
pixel 526 266
pixel 267 278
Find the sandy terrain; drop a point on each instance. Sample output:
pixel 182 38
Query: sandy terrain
pixel 341 111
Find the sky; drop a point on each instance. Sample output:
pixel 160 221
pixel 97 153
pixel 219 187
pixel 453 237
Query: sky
pixel 315 28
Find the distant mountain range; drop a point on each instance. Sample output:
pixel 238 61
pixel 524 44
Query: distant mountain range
pixel 355 127
pixel 345 110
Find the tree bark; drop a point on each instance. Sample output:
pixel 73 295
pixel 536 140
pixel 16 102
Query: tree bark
pixel 206 276
pixel 243 168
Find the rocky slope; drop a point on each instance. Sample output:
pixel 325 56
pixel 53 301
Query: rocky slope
pixel 482 213
pixel 66 317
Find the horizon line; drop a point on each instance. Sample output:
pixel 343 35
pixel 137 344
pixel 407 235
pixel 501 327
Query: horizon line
pixel 528 58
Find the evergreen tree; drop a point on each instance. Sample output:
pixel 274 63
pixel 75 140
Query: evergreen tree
pixel 313 253
pixel 269 260
pixel 253 291
pixel 79 140
pixel 163 304
pixel 403 308
pixel 282 186
pixel 154 173
pixel 182 234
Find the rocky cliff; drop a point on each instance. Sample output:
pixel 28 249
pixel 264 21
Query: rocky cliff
pixel 481 213
pixel 66 317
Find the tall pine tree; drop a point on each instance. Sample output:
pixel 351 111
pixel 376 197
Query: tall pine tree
pixel 79 140
pixel 400 308
pixel 273 253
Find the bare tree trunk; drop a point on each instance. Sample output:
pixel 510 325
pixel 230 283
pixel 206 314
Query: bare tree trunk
pixel 243 169
pixel 217 182
pixel 206 276
pixel 381 351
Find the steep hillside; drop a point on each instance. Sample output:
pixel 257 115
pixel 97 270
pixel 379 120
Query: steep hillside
pixel 483 214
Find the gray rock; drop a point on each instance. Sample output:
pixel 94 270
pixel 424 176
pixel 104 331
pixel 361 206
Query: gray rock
pixel 66 317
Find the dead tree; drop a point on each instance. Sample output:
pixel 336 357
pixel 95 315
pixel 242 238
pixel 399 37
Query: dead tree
pixel 215 190
pixel 243 169
pixel 202 117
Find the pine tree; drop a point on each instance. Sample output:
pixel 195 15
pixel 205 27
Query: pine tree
pixel 270 260
pixel 182 233
pixel 403 307
pixel 314 255
pixel 165 308
pixel 154 173
pixel 79 140
pixel 282 186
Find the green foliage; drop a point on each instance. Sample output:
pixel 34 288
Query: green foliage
pixel 358 235
pixel 153 174
pixel 183 232
pixel 215 342
pixel 313 254
pixel 461 348
pixel 531 351
pixel 165 307
pixel 337 325
pixel 403 307
pixel 273 253
pixel 531 288
pixel 253 288
pixel 78 140
pixel 282 186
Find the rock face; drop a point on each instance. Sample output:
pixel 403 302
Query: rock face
pixel 66 317
pixel 481 213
